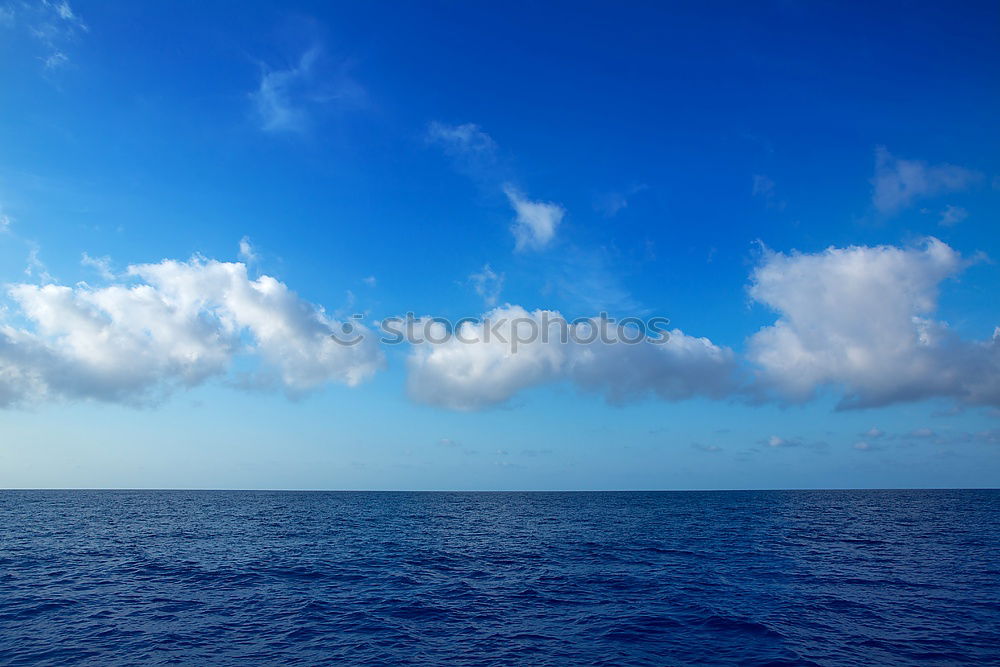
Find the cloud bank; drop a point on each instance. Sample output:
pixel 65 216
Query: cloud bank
pixel 855 321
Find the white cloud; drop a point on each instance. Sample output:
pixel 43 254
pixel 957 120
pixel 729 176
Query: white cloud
pixel 858 318
pixel 488 284
pixel 684 367
pixel 474 153
pixel 474 375
pixel 169 325
pixel 370 281
pixel 898 183
pixel 470 376
pixel 952 215
pixel 536 222
pixel 778 442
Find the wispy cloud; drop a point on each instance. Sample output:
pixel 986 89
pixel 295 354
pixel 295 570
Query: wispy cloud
pixel 952 215
pixel 778 442
pixel 898 183
pixel 488 284
pixel 247 253
pixel 610 204
pixel 764 189
pixel 100 264
pixel 52 25
pixel 589 280
pixel 474 153
pixel 286 99
pixel 35 266
pixel 467 144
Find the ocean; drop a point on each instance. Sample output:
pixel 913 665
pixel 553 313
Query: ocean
pixel 608 578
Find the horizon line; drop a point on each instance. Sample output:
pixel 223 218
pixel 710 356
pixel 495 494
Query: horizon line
pixel 315 490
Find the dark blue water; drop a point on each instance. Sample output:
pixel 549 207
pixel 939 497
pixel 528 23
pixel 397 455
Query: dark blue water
pixel 226 578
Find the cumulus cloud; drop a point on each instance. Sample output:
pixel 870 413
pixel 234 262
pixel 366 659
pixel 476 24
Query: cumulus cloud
pixel 898 183
pixel 536 222
pixel 168 325
pixel 859 319
pixel 464 375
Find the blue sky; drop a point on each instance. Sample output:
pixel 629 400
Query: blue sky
pixel 192 196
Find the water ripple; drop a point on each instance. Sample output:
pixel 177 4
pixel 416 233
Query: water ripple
pixel 748 578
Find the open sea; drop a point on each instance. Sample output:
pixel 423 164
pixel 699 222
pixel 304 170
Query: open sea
pixel 659 578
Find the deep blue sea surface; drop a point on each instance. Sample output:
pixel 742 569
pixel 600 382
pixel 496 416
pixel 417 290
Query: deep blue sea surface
pixel 750 578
